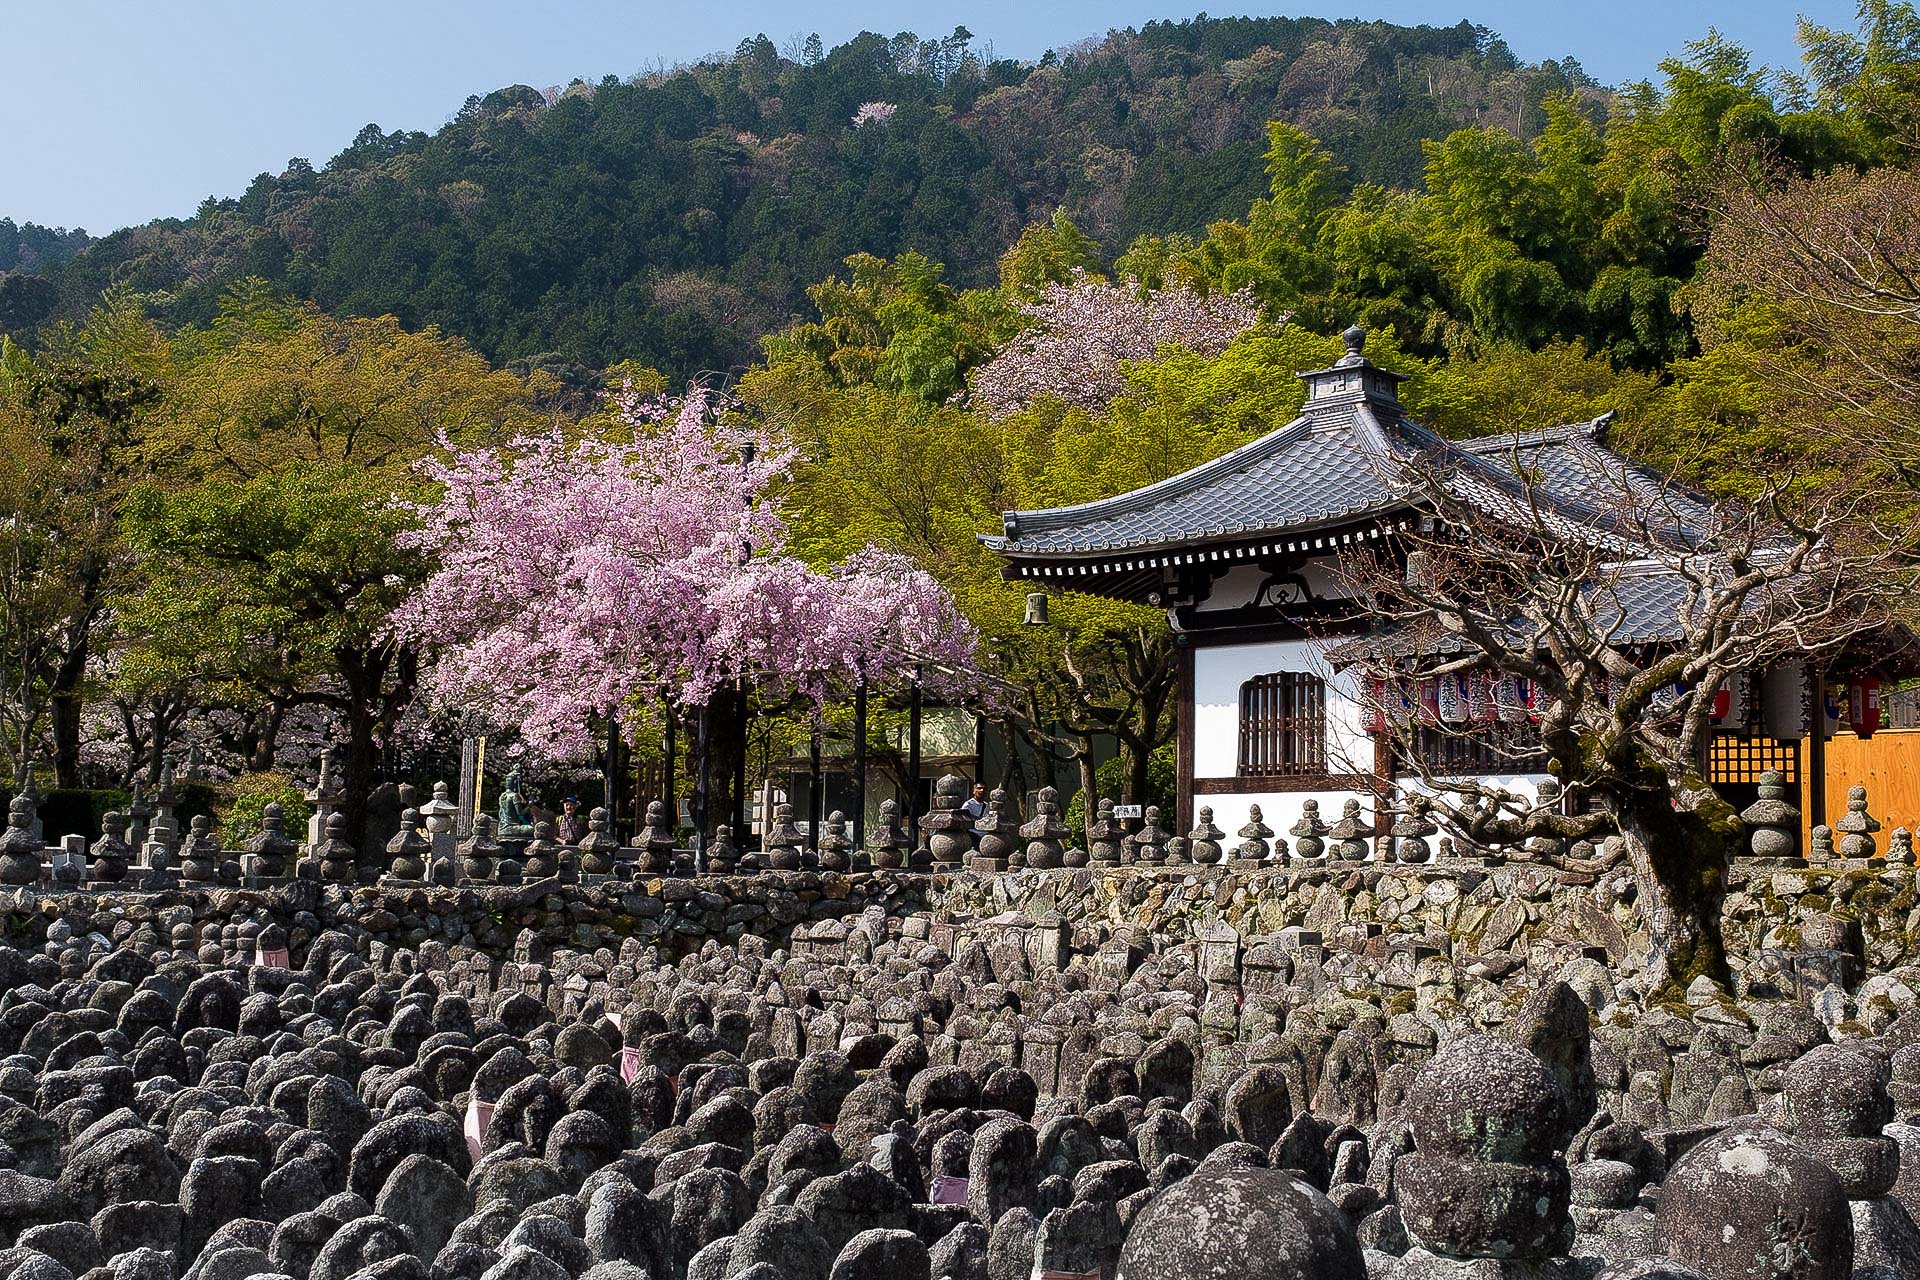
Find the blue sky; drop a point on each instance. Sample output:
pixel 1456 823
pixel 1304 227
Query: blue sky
pixel 124 111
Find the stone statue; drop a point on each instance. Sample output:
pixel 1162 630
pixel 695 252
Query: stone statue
pixel 111 853
pixel 409 849
pixel 478 851
pixel 1253 846
pixel 1351 834
pixel 1150 841
pixel 1045 833
pixel 337 860
pixel 994 833
pixel 268 851
pixel 1856 826
pixel 947 830
pixel 1772 823
pixel 1309 833
pixel 1820 850
pixel 543 855
pixel 655 840
pixel 200 851
pixel 784 843
pixel 887 842
pixel 1545 846
pixel 836 850
pixel 1105 837
pixel 597 847
pixel 721 856
pixel 19 851
pixel 516 820
pixel 1411 829
pixel 1204 840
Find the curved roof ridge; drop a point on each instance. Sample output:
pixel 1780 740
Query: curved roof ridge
pixel 1589 433
pixel 1047 518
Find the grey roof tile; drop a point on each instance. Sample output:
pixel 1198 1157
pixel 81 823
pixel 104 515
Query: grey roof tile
pixel 1340 461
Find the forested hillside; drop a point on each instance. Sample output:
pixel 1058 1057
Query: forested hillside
pixel 670 218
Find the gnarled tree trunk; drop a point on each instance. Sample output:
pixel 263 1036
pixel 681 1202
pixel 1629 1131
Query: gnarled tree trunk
pixel 1679 860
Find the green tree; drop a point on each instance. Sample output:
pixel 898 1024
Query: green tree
pixel 304 561
pixel 1048 253
pixel 72 418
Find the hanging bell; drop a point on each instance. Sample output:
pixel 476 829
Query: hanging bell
pixel 1036 615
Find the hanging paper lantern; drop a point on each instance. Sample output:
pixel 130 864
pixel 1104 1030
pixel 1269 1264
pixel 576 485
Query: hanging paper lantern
pixel 1833 702
pixel 1480 708
pixel 1374 706
pixel 1510 698
pixel 1863 705
pixel 1450 697
pixel 1722 702
pixel 1739 687
pixel 1428 691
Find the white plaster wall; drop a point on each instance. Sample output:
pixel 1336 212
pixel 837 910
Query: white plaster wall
pixel 1218 673
pixel 1524 785
pixel 1220 670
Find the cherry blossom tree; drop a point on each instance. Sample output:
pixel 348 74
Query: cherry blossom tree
pixel 582 576
pixel 1082 334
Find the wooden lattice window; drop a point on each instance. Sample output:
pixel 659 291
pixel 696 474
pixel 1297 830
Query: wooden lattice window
pixel 1283 725
pixel 1734 758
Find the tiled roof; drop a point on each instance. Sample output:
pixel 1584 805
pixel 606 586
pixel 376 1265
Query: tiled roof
pixel 1634 603
pixel 1343 460
pixel 1573 463
pixel 1313 472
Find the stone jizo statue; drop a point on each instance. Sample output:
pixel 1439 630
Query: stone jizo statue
pixel 516 819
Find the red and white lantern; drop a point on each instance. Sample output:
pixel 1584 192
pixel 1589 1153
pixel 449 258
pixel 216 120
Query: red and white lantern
pixel 1428 691
pixel 1863 705
pixel 1722 701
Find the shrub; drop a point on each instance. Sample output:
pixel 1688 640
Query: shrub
pixel 252 793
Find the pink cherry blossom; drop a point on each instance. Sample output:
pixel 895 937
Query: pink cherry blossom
pixel 578 575
pixel 1081 335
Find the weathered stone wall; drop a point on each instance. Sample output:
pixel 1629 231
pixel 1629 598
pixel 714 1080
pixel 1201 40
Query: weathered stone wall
pixel 675 914
pixel 1486 920
pixel 1486 916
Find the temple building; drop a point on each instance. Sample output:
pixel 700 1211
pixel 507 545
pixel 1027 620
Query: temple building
pixel 1245 554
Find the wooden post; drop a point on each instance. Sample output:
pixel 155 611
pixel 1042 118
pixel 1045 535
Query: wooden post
pixel 913 758
pixel 668 798
pixel 860 764
pixel 703 775
pixel 817 797
pixel 1815 782
pixel 1183 741
pixel 740 768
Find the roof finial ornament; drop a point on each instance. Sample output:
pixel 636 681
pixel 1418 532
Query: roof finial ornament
pixel 1356 339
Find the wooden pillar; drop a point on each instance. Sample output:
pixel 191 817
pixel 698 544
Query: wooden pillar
pixel 1814 781
pixel 740 767
pixel 817 797
pixel 1183 741
pixel 667 796
pixel 860 764
pixel 913 759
